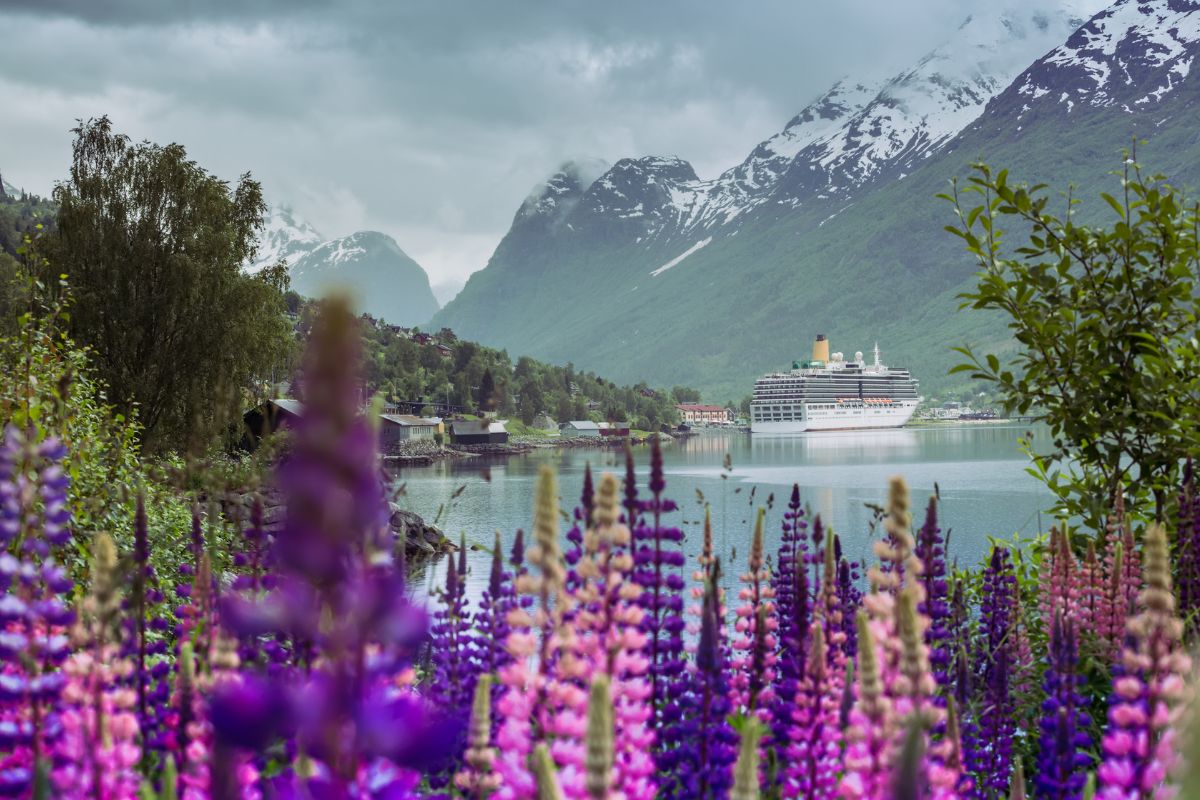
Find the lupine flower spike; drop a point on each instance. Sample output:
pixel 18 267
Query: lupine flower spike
pixel 477 780
pixel 1140 750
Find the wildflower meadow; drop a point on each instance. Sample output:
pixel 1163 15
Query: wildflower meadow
pixel 598 663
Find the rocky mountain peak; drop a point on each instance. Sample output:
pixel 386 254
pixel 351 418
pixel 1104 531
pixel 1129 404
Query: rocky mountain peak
pixel 1131 54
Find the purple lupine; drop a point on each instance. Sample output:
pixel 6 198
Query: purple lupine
pixel 451 644
pixel 34 522
pixel 702 765
pixel 931 549
pixel 990 751
pixel 491 618
pixel 657 559
pixel 792 603
pixel 581 521
pixel 850 596
pixel 338 589
pixel 1063 759
pixel 959 642
pixel 450 641
pixel 1187 549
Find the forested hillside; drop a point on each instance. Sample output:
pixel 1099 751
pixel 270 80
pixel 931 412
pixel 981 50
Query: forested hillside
pixel 439 370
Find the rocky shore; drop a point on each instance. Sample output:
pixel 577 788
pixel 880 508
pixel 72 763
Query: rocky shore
pixel 419 539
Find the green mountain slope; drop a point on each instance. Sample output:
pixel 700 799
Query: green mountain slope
pixel 865 266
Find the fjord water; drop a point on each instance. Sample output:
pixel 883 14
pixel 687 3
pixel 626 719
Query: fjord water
pixel 979 470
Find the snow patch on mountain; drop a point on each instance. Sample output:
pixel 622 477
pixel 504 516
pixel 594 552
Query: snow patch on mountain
pixel 918 111
pixel 1134 52
pixel 856 132
pixel 674 261
pixel 558 195
pixel 285 235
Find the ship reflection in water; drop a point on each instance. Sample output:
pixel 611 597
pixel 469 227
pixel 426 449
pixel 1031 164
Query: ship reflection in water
pixel 833 447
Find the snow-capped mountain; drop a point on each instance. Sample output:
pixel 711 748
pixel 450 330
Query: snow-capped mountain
pixel 652 273
pixel 854 133
pixel 284 236
pixel 1131 55
pixel 380 277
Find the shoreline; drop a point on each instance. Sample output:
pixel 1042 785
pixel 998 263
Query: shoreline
pixel 424 453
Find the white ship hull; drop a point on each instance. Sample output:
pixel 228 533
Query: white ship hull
pixel 840 419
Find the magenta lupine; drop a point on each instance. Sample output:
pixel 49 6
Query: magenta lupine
pixel 1140 749
pixel 33 617
pixel 871 733
pixel 753 683
pixel 813 761
pixel 1063 759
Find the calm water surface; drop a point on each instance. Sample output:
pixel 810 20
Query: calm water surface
pixel 979 470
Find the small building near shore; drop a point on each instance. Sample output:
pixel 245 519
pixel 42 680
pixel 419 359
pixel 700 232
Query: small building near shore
pixel 396 428
pixel 266 418
pixel 580 427
pixel 478 431
pixel 700 414
pixel 617 429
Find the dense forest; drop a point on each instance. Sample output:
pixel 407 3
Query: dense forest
pixel 19 218
pixel 440 373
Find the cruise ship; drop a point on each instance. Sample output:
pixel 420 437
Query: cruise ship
pixel 830 393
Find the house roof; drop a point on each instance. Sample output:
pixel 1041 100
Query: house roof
pixel 698 407
pixel 289 405
pixel 410 421
pixel 584 425
pixel 475 426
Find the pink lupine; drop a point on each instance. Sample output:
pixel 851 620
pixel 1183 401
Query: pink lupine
pixel 830 615
pixel 533 705
pixel 896 562
pixel 477 779
pixel 754 646
pixel 97 753
pixel 1122 576
pixel 1059 595
pixel 608 640
pixel 1091 591
pixel 1140 750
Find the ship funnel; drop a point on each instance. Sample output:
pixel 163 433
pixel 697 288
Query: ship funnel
pixel 821 348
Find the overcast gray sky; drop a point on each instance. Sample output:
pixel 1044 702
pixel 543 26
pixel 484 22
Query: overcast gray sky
pixel 432 119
